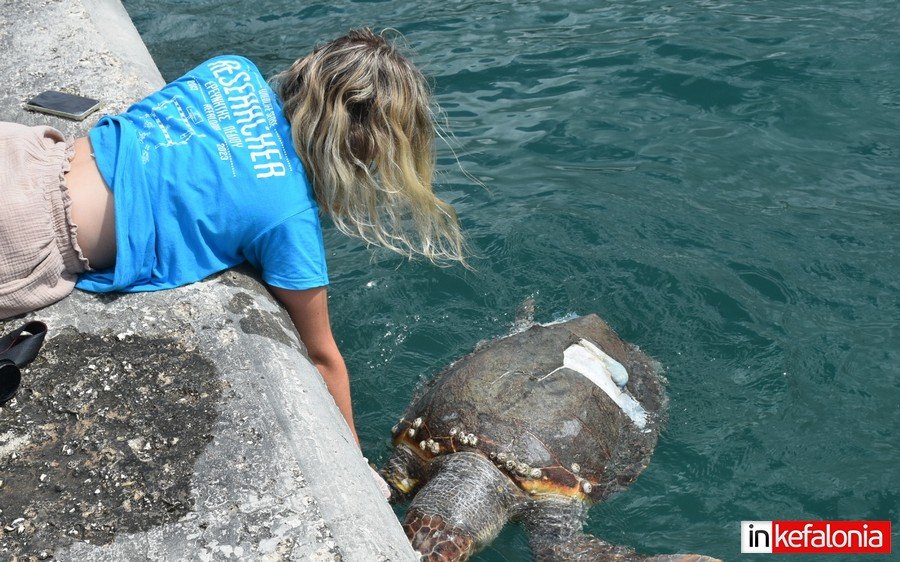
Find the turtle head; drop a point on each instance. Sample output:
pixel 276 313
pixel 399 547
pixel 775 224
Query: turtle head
pixel 410 464
pixel 405 472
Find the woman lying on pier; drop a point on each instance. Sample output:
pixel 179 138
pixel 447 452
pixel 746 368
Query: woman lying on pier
pixel 220 167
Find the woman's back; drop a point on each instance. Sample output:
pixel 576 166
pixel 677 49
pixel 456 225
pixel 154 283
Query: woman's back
pixel 201 172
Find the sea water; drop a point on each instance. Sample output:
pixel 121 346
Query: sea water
pixel 718 180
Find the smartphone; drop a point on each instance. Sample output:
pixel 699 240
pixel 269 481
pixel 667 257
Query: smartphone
pixel 62 104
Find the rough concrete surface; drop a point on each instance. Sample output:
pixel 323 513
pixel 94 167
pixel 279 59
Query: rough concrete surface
pixel 183 424
pixel 75 46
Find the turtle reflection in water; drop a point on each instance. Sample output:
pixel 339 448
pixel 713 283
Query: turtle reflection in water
pixel 535 428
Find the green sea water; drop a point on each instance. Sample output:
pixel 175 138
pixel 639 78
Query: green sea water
pixel 718 180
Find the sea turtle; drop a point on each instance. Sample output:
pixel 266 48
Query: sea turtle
pixel 535 428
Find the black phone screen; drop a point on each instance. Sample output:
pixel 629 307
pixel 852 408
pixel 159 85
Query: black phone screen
pixel 61 101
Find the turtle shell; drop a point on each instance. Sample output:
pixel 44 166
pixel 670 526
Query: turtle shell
pixel 548 426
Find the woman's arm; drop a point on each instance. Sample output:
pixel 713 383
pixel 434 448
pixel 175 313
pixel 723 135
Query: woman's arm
pixel 309 311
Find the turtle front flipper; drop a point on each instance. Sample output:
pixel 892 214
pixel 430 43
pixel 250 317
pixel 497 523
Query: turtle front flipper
pixel 461 509
pixel 555 535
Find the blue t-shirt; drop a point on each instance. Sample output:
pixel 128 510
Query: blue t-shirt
pixel 204 177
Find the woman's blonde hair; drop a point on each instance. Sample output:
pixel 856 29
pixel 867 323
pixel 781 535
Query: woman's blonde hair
pixel 361 121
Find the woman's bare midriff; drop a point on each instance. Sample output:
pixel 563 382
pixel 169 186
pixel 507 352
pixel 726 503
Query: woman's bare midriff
pixel 92 207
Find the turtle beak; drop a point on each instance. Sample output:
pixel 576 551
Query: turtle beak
pixel 401 485
pixel 402 472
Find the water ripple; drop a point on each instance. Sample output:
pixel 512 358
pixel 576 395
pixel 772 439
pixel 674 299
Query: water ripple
pixel 717 179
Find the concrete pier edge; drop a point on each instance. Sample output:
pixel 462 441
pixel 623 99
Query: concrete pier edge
pixel 183 424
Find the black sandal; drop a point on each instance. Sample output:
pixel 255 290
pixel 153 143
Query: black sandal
pixel 17 349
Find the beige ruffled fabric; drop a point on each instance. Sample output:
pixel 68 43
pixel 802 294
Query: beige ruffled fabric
pixel 39 257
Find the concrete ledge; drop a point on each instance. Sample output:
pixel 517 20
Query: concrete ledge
pixel 183 424
pixel 85 47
